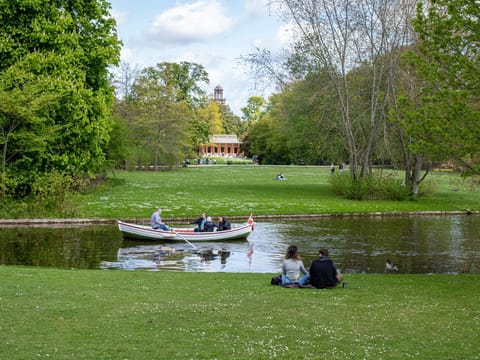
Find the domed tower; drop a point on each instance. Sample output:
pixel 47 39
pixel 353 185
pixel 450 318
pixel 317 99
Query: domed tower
pixel 218 94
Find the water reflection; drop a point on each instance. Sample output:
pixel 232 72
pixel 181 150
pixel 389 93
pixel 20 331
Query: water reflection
pixel 418 244
pixel 82 247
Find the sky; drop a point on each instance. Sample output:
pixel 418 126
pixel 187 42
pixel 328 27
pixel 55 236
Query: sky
pixel 212 33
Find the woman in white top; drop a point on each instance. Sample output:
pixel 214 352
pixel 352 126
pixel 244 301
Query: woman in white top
pixel 293 271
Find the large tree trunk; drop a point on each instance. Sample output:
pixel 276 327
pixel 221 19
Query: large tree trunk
pixel 413 174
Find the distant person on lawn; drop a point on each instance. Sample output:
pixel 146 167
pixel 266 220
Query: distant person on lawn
pixel 323 272
pixel 156 221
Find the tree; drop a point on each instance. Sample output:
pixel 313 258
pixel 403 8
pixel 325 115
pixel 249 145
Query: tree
pixel 124 79
pixel 444 117
pixel 211 116
pixel 336 37
pixel 167 98
pixel 231 122
pixel 183 81
pixel 22 131
pixel 65 49
pixel 266 141
pixel 255 108
pixel 305 114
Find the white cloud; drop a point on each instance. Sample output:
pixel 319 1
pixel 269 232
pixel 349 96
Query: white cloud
pixel 127 55
pixel 194 22
pixel 256 7
pixel 287 34
pixel 120 17
pixel 213 33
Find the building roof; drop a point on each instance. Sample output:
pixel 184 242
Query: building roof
pixel 224 139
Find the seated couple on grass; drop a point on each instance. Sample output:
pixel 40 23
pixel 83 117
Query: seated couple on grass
pixel 323 271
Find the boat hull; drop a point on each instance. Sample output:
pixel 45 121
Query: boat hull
pixel 181 234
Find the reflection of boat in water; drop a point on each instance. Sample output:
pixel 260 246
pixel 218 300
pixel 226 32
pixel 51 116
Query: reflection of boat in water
pixel 143 257
pixel 208 255
pixel 185 234
pixel 151 256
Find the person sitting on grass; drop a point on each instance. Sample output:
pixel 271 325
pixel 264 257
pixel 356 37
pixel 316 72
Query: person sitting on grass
pixel 292 267
pixel 324 273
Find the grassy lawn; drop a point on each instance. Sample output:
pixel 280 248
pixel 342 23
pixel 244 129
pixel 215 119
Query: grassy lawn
pixel 94 314
pixel 239 190
pixel 97 314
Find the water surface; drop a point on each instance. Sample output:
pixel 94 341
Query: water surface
pixel 417 244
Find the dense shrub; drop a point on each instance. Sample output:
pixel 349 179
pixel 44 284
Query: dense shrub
pixel 373 187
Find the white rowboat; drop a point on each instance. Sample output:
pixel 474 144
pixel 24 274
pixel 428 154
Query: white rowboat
pixel 185 234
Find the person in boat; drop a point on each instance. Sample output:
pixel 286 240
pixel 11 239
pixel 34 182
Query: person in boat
pixel 323 272
pixel 156 220
pixel 200 222
pixel 223 224
pixel 209 225
pixel 293 270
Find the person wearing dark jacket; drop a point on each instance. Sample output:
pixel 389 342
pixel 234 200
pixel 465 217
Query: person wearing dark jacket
pixel 223 224
pixel 324 273
pixel 200 222
pixel 209 225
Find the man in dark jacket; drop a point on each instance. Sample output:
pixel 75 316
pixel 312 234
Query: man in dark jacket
pixel 209 225
pixel 200 222
pixel 323 272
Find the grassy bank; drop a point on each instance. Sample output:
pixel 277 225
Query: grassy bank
pixel 63 314
pixel 239 190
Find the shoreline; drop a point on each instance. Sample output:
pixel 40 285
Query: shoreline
pixel 109 221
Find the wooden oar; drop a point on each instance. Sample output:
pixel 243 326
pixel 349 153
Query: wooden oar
pixel 188 242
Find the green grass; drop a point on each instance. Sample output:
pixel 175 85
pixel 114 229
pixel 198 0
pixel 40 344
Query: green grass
pixel 239 190
pixel 94 314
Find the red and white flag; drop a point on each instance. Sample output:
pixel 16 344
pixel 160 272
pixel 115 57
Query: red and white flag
pixel 250 221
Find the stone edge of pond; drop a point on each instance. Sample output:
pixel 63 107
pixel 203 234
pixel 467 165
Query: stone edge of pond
pixel 106 221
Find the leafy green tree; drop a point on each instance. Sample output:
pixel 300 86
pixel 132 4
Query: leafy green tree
pixel 24 135
pixel 445 117
pixel 435 110
pixel 255 108
pixel 303 120
pixel 183 81
pixel 266 141
pixel 54 59
pixel 167 98
pixel 117 152
pixel 212 117
pixel 232 124
pixel 334 37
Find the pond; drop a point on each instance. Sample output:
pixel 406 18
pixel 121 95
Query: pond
pixel 417 244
